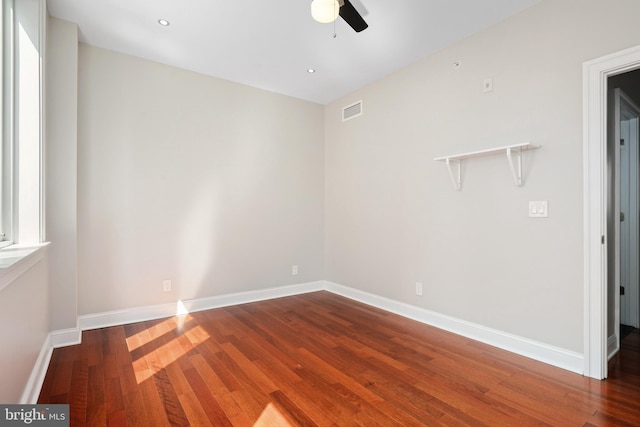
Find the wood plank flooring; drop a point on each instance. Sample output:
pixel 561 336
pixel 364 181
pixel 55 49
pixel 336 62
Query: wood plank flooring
pixel 322 360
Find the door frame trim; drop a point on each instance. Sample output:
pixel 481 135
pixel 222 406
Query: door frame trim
pixel 595 75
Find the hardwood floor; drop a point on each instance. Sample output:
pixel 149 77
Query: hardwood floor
pixel 320 359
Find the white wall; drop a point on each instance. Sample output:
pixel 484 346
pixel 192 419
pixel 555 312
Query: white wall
pixel 213 185
pixel 392 217
pixel 61 170
pixel 24 326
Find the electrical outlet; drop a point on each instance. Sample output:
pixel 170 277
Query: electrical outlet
pixel 294 270
pixel 166 285
pixel 418 288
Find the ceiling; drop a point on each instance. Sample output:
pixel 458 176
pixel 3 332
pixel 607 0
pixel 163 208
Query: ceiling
pixel 270 44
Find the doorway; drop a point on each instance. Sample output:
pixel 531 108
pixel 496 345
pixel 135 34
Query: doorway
pixel 623 214
pixel 597 237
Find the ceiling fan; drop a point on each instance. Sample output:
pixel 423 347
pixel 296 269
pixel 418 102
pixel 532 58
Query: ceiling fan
pixel 326 11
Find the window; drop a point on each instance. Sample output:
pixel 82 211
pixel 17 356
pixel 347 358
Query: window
pixel 22 121
pixel 21 150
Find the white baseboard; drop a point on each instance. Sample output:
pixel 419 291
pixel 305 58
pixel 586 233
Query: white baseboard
pixel 65 337
pixel 551 355
pixel 34 384
pixel 141 314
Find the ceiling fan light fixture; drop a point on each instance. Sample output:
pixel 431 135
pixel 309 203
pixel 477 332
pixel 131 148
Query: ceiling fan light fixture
pixel 325 11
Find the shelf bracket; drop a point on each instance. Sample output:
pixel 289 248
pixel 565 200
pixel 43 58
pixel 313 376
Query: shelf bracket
pixel 514 157
pixel 456 177
pixel 516 169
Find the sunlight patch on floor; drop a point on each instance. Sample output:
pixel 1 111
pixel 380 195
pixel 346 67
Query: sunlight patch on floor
pixel 153 332
pixel 159 358
pixel 271 417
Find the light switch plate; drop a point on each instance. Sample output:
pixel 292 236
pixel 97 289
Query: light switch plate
pixel 538 209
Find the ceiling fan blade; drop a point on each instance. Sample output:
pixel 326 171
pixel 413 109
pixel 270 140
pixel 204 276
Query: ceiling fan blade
pixel 352 17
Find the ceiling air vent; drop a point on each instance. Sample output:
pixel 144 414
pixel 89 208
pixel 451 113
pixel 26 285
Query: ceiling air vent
pixel 352 111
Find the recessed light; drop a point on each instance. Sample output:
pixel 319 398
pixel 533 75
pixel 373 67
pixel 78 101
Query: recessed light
pixel 163 22
pixel 311 70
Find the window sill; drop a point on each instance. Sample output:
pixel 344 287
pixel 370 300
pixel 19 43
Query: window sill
pixel 16 259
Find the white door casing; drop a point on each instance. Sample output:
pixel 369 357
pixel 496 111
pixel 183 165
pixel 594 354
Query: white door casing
pixel 595 75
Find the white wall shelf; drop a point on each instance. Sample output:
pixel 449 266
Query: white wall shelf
pixel 454 161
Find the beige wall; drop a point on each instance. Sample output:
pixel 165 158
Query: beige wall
pixel 213 185
pixel 392 217
pixel 61 170
pixel 24 326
